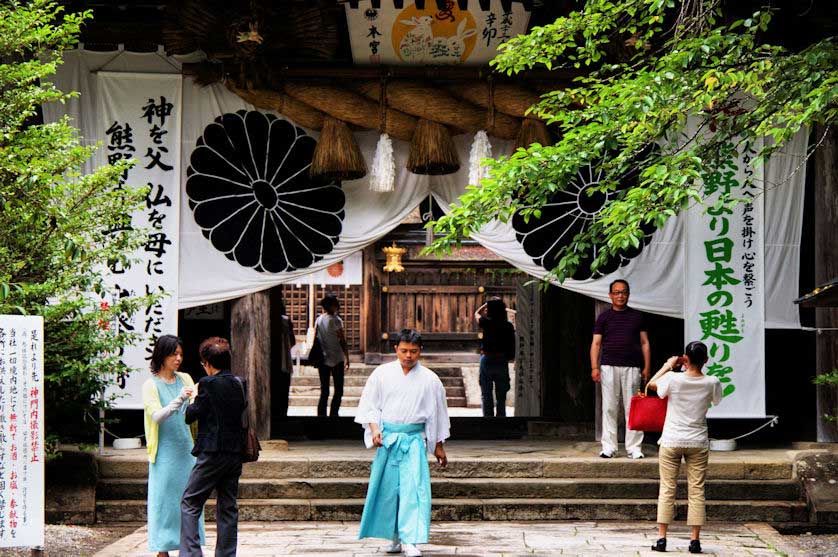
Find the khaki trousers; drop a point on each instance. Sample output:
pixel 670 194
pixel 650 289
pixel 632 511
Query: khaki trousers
pixel 669 463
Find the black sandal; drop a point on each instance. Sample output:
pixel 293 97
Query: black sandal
pixel 695 546
pixel 660 545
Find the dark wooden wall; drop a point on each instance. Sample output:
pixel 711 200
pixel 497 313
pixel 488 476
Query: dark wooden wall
pixel 351 308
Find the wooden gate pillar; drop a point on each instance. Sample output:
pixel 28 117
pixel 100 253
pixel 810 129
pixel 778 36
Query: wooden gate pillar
pixel 371 306
pixel 251 350
pixel 826 269
pixel 529 391
pixel 599 307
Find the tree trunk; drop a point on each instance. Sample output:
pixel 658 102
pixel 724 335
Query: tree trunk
pixel 251 350
pixel 826 269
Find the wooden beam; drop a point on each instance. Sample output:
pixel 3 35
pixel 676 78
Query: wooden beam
pixel 311 72
pixel 251 351
pixel 433 289
pixel 826 269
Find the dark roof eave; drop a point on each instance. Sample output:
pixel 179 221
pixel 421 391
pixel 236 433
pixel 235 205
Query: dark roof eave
pixel 825 295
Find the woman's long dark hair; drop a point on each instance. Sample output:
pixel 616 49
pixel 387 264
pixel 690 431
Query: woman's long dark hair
pixel 496 309
pixel 165 346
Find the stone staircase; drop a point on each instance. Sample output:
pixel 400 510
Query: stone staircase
pixel 473 487
pixel 305 386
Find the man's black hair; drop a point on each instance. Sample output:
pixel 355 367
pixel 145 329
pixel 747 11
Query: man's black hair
pixel 410 336
pixel 329 301
pixel 613 282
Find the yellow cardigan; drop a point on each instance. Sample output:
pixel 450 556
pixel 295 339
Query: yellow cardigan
pixel 151 404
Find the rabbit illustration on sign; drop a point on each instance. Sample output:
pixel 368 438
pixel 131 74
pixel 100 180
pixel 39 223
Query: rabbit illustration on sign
pixel 419 44
pixel 416 44
pixel 455 46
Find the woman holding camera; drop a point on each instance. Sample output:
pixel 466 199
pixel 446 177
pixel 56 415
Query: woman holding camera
pixel 684 437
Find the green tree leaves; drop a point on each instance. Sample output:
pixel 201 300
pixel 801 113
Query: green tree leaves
pixel 54 218
pixel 648 68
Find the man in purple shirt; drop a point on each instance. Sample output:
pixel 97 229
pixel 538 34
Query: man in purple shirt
pixel 619 351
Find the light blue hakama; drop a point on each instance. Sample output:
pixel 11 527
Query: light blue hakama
pixel 399 492
pixel 168 475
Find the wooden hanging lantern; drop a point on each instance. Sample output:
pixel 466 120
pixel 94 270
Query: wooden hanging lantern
pixel 432 150
pixel 532 131
pixel 337 155
pixel 394 258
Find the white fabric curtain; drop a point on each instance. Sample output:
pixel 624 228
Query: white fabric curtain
pixel 206 276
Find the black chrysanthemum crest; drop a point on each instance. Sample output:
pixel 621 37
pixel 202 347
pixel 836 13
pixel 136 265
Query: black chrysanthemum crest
pixel 250 193
pixel 569 212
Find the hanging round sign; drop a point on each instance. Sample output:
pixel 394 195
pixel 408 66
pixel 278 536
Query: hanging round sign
pixel 251 194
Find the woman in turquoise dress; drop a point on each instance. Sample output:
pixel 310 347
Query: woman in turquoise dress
pixel 169 443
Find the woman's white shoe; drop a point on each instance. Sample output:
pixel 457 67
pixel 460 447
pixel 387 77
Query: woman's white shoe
pixel 411 550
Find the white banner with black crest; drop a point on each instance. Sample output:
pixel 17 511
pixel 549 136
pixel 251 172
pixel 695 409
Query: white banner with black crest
pixel 140 118
pixel 253 217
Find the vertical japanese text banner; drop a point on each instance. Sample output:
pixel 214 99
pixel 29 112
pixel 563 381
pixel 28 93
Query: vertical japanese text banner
pixel 140 118
pixel 21 431
pixel 724 283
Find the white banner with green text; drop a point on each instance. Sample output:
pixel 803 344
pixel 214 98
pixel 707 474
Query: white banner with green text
pixel 724 282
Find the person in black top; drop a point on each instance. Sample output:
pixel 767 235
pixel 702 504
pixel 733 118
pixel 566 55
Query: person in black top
pixel 497 349
pixel 218 407
pixel 620 356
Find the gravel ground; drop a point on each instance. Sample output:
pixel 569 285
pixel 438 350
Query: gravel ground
pixel 84 541
pixel 816 545
pixel 76 541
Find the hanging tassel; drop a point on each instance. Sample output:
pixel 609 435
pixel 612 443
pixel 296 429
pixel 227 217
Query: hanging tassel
pixel 480 149
pixel 383 169
pixel 383 172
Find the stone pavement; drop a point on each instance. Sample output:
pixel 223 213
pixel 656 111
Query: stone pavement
pixel 484 539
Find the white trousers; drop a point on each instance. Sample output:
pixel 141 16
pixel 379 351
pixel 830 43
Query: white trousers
pixel 618 382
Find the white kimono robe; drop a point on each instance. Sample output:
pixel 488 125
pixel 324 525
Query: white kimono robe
pixel 392 396
pixel 412 413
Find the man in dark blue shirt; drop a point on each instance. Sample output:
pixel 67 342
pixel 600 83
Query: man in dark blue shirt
pixel 219 408
pixel 619 351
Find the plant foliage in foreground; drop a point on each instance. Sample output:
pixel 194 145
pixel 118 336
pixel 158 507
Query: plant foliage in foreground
pixel 678 60
pixel 56 222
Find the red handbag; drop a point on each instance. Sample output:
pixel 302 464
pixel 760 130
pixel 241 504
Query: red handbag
pixel 647 413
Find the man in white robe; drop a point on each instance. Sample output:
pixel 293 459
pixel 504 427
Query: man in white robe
pixel 404 413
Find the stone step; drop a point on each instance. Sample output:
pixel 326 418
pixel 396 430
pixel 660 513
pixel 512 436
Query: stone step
pixel 277 465
pixel 354 391
pixel 352 401
pixel 358 381
pixel 363 370
pixel 508 488
pixel 134 510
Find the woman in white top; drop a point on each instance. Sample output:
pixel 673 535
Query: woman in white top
pixel 684 436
